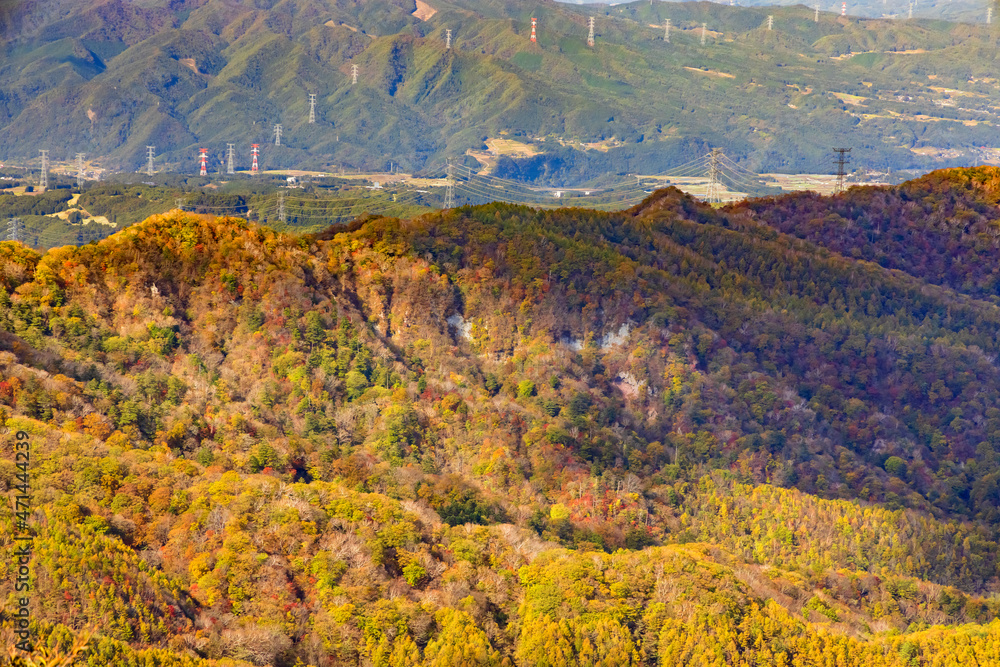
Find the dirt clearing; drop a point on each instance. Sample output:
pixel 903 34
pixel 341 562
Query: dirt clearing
pixel 424 11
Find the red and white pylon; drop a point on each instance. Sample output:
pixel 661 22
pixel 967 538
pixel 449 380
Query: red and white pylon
pixel 255 150
pixel 843 9
pixel 534 22
pixel 204 161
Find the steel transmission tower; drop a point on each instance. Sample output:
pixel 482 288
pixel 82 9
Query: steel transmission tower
pixel 816 7
pixel 989 15
pixel 714 194
pixel 770 22
pixel 277 135
pixel 230 155
pixel 312 108
pixel 704 32
pixel 447 39
pixel 449 193
pixel 43 180
pixel 281 205
pixel 79 170
pixel 590 36
pixel 534 24
pixel 666 32
pixel 203 161
pixel 149 160
pixel 842 161
pixel 14 229
pixel 255 151
pixel 354 74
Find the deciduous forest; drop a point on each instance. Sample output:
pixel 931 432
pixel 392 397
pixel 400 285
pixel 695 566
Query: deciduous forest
pixel 764 434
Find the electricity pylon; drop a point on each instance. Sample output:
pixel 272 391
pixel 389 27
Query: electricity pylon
pixel 841 161
pixel 449 193
pixel 14 229
pixel 43 180
pixel 714 194
pixel 79 170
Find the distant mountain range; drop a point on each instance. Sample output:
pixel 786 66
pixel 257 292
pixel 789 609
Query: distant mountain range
pixel 969 11
pixel 109 78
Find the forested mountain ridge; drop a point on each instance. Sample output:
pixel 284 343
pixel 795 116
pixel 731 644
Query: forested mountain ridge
pixel 497 435
pixel 108 78
pixel 941 228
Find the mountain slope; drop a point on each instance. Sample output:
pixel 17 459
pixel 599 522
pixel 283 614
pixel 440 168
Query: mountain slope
pixel 113 77
pixel 941 228
pixel 507 434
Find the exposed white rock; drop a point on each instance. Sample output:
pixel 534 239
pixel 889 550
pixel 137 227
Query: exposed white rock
pixel 612 339
pixel 464 328
pixel 629 385
pixel 606 342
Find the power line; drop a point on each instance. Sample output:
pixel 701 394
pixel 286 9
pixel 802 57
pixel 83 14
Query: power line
pixel 482 187
pixel 738 178
pixel 670 172
pixel 323 211
pixel 48 239
pixel 581 202
pixel 322 215
pixel 733 165
pixel 340 201
pixel 516 188
pixel 328 206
